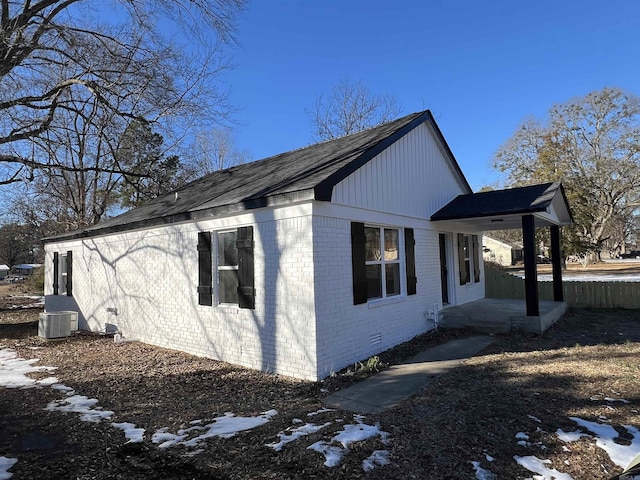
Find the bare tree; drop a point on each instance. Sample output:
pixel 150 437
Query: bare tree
pixel 350 108
pixel 56 53
pixel 17 244
pixel 215 149
pixel 591 144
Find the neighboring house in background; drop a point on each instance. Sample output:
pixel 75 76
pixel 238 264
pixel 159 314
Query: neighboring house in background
pixel 24 269
pixel 299 264
pixel 501 252
pixel 4 271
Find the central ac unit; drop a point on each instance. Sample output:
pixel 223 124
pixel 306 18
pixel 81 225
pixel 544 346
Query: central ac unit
pixel 55 324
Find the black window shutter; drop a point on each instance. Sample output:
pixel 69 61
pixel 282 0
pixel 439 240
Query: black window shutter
pixel 55 273
pixel 358 263
pixel 246 289
pixel 69 273
pixel 409 251
pixel 476 258
pixel 461 263
pixel 205 296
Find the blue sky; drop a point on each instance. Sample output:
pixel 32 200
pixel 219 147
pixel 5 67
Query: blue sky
pixel 480 67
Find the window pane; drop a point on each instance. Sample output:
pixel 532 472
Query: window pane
pixel 62 275
pixel 392 272
pixel 228 281
pixel 374 281
pixel 390 244
pixel 227 250
pixel 372 245
pixel 466 247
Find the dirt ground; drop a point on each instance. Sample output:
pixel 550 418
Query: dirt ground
pixel 471 414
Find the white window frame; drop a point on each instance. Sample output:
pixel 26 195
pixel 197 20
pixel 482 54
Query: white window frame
pixel 401 261
pixel 219 268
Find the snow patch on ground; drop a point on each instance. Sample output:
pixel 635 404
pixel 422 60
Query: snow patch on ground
pixel 569 437
pixel 536 465
pixel 318 412
pixel 228 425
pixel 605 436
pixel 13 374
pixel 5 464
pixel 131 432
pixel 482 473
pixel 351 433
pixel 224 427
pixel 14 370
pixel 377 458
pixel 83 405
pixel 296 433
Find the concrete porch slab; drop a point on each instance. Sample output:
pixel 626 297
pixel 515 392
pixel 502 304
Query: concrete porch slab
pixel 497 315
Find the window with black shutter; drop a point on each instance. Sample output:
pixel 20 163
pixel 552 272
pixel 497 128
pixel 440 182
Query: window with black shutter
pixel 205 294
pixel 56 273
pixel 246 289
pixel 376 257
pixel 409 251
pixel 69 279
pixel 234 268
pixel 63 273
pixel 358 263
pixel 475 252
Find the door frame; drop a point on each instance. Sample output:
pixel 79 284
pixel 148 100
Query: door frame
pixel 447 255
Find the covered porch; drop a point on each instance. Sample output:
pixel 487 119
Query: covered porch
pixel 527 208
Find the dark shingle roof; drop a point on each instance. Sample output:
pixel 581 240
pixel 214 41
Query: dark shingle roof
pixel 306 173
pixel 521 200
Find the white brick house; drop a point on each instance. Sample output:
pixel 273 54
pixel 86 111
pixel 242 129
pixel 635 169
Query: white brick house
pixel 298 264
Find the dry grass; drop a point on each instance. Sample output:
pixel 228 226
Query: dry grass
pixel 476 409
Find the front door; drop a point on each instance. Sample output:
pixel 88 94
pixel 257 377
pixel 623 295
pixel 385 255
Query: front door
pixel 444 277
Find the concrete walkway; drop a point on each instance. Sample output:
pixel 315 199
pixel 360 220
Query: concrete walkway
pixel 399 382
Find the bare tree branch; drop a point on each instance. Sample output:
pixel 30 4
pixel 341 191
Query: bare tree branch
pixel 51 57
pixel 350 108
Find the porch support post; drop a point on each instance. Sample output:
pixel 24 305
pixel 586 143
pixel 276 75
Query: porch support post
pixel 556 264
pixel 530 271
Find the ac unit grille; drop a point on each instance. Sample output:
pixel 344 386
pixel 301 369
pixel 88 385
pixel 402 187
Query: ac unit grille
pixel 57 324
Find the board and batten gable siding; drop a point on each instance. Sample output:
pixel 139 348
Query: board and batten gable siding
pixel 151 277
pixel 347 333
pixel 413 177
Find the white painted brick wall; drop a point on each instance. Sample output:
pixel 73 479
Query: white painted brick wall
pixel 302 273
pixel 345 330
pixel 151 278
